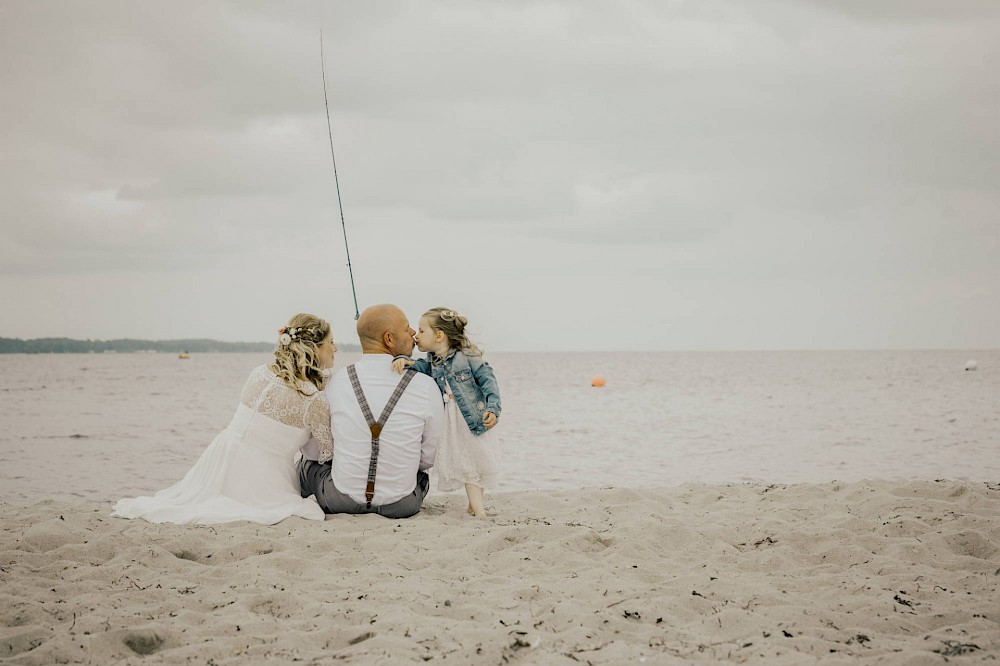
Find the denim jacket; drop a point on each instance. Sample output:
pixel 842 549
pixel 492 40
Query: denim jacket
pixel 472 383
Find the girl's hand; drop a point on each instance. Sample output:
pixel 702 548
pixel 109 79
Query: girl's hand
pixel 489 420
pixel 400 364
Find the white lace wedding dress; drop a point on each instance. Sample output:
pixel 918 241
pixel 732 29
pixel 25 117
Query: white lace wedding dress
pixel 248 471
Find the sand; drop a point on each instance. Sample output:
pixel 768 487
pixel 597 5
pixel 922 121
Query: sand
pixel 884 572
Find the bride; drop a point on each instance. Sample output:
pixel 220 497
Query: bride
pixel 248 471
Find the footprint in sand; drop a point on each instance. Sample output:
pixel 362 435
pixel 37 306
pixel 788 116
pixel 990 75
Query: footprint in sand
pixel 972 544
pixel 143 643
pixel 24 642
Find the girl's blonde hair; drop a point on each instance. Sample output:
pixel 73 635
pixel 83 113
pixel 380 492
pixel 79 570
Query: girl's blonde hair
pixel 296 358
pixel 453 325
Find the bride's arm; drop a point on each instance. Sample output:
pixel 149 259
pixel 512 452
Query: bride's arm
pixel 318 423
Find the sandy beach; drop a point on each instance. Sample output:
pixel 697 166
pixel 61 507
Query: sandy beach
pixel 708 531
pixel 734 268
pixel 882 572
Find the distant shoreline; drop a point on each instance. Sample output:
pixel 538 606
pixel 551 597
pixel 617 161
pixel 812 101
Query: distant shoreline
pixel 131 346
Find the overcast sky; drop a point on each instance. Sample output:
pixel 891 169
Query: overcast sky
pixel 570 175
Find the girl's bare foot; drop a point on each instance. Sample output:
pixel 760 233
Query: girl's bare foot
pixel 475 494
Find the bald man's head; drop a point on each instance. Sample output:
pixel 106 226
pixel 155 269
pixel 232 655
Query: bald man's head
pixel 383 329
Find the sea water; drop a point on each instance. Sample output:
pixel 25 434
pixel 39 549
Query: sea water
pixel 102 426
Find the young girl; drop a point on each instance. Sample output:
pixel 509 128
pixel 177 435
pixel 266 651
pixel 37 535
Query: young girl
pixel 468 452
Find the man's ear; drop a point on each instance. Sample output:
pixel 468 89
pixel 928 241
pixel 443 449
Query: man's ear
pixel 387 341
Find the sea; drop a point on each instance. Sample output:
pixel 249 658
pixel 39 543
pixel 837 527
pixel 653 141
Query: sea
pixel 97 427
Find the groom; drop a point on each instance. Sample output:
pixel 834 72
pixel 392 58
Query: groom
pixel 385 428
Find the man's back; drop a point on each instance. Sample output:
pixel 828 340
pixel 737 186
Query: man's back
pixel 408 441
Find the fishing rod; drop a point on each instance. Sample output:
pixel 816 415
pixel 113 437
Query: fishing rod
pixel 329 129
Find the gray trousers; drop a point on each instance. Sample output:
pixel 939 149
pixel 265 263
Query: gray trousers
pixel 314 479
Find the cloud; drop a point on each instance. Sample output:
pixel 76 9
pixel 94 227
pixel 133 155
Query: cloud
pixel 559 155
pixel 913 11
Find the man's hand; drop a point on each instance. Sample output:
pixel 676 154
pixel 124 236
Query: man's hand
pixel 489 420
pixel 400 364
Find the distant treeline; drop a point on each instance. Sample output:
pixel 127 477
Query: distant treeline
pixel 68 346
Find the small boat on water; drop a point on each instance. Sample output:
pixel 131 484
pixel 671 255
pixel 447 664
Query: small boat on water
pixel 184 355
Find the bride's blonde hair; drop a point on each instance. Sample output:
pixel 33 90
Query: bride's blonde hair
pixel 296 358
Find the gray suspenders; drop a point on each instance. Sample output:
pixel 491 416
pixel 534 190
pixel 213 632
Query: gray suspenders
pixel 376 426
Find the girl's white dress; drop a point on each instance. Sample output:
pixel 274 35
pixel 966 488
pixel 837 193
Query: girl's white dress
pixel 248 471
pixel 463 457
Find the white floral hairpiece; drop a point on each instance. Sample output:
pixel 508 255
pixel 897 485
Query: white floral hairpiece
pixel 288 334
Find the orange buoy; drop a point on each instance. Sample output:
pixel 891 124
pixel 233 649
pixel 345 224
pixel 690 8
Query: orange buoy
pixel 597 380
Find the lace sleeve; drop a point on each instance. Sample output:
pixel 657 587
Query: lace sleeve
pixel 318 423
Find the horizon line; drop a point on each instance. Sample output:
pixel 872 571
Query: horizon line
pixel 559 351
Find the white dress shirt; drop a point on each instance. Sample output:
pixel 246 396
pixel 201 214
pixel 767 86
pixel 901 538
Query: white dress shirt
pixel 408 441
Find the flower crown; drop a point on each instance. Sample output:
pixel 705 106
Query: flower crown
pixel 287 334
